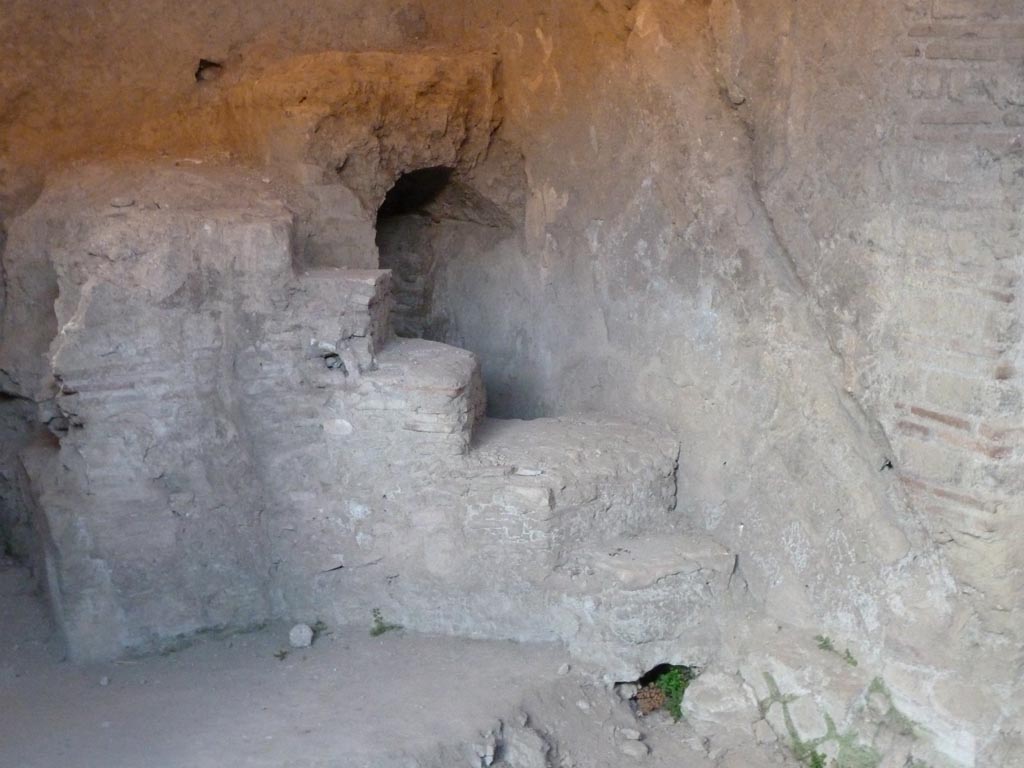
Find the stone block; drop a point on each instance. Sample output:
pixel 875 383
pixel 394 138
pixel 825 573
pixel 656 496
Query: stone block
pixel 716 702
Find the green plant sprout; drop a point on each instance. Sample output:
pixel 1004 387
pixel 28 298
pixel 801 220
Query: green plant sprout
pixel 673 684
pixel 380 626
pixel 319 628
pixel 825 644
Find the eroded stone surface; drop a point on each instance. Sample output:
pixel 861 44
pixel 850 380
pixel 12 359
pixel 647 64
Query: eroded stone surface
pixel 784 231
pixel 213 398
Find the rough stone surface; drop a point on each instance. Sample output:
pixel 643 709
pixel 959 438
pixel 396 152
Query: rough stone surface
pixel 716 702
pixel 781 235
pixel 211 396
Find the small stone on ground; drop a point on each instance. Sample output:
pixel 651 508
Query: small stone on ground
pixel 301 636
pixel 634 749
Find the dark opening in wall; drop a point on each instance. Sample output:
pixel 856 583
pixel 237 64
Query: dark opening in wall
pixel 451 241
pixel 660 688
pixel 414 191
pixel 429 219
pixel 406 235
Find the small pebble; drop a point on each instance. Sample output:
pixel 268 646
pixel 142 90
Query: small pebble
pixel 630 734
pixel 122 202
pixel 104 680
pixel 626 691
pixel 564 669
pixel 634 749
pixel 584 705
pixel 301 636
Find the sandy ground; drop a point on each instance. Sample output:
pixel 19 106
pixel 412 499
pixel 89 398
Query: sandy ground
pixel 350 700
pixel 399 700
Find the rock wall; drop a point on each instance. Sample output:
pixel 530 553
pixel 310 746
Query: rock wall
pixel 893 178
pixel 785 231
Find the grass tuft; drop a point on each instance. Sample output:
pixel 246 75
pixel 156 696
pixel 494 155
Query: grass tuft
pixel 673 683
pixel 380 626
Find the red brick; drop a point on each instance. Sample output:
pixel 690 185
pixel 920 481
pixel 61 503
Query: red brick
pixel 1002 434
pixel 957 346
pixel 989 450
pixel 917 9
pixel 949 494
pixel 983 85
pixel 955 522
pixel 1004 372
pixel 1001 296
pixel 908 49
pixel 942 418
pixel 1000 452
pixel 927 81
pixel 997 140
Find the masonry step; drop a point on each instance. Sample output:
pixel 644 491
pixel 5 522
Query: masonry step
pixel 535 487
pixel 557 529
pixel 239 440
pixel 423 391
pixel 628 603
pixel 316 424
pixel 575 522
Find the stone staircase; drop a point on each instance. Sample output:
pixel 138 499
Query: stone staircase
pixel 283 454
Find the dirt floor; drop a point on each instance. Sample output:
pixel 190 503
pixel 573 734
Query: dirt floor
pixel 350 700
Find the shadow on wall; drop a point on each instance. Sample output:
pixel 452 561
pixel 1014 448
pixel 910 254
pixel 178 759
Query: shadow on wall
pixel 18 425
pixel 444 242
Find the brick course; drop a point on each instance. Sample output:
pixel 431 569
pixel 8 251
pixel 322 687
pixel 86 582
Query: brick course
pixel 959 430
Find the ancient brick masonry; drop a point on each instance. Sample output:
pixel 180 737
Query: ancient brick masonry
pixel 959 431
pixel 216 401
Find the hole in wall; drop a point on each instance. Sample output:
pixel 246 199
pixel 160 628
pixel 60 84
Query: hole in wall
pixel 450 240
pixel 406 235
pixel 333 362
pixel 414 192
pixel 660 689
pixel 208 70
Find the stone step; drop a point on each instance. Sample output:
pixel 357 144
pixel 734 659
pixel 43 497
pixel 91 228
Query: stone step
pixel 575 523
pixel 421 392
pixel 242 440
pixel 627 604
pixel 536 487
pixel 559 529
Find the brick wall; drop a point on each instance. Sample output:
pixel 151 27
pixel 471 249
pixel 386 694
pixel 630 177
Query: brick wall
pixel 958 427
